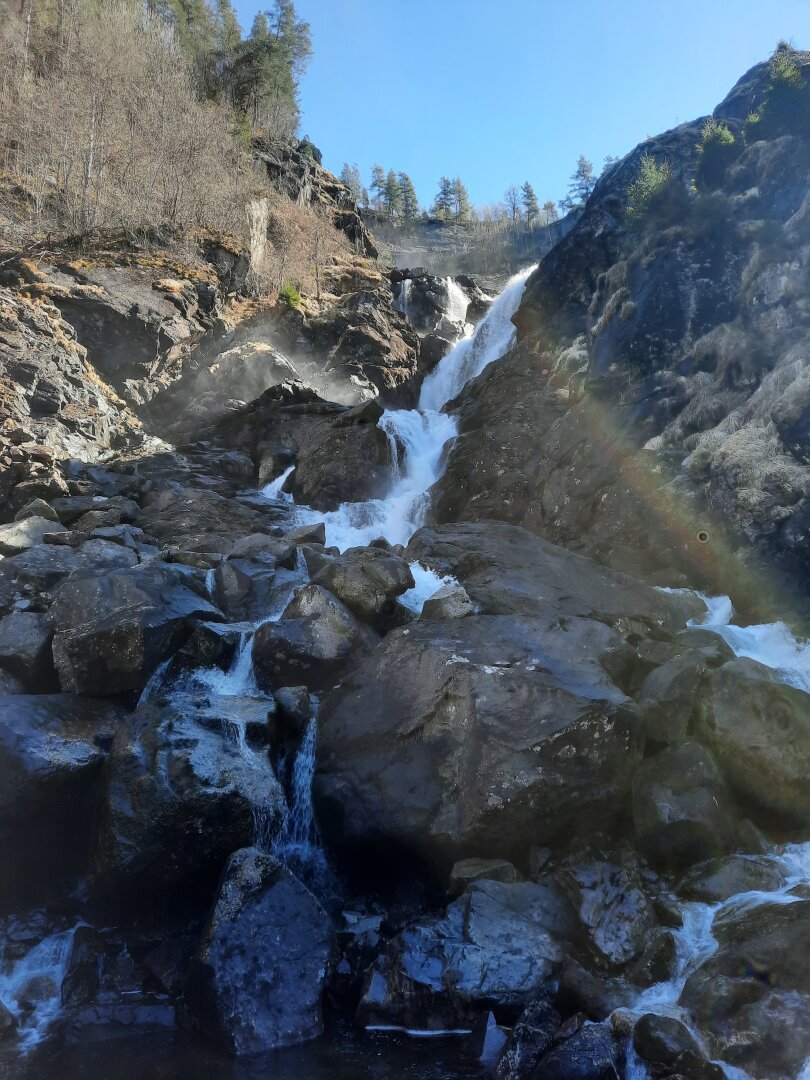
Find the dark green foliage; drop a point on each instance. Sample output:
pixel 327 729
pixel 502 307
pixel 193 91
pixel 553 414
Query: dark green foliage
pixel 410 203
pixel 651 190
pixel 443 204
pixel 392 195
pixel 716 150
pixel 377 186
pixel 289 295
pixel 461 200
pixel 350 175
pixel 531 207
pixel 581 185
pixel 786 107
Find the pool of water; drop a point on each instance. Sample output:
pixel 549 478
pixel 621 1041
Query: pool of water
pixel 341 1054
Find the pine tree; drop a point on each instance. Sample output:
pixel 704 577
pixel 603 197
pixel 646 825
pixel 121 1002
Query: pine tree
pixel 410 203
pixel 512 200
pixel 444 203
pixel 531 207
pixel 392 195
pixel 350 175
pixel 377 186
pixel 550 213
pixel 461 200
pixel 608 163
pixel 582 184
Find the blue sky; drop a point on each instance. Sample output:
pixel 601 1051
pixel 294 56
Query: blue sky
pixel 503 92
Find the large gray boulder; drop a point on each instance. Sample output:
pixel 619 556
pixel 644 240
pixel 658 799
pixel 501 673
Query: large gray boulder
pixel 367 580
pixel 112 630
pixel 262 959
pixel 498 945
pixel 22 535
pixel 479 736
pixel 311 643
pixel 681 807
pixel 33 575
pixel 25 650
pixel 759 732
pixel 183 791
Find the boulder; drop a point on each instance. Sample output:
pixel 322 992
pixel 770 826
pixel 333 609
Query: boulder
pixel 758 730
pixel 467 871
pixel 669 1047
pixel 591 1053
pixel 199 520
pixel 182 793
pixel 616 917
pixel 35 573
pixel 366 580
pixel 531 1037
pixel 260 543
pixel 310 644
pixel 112 630
pixel 25 650
pixel 22 535
pixel 681 809
pixel 669 696
pixel 37 508
pixel 70 509
pixel 449 602
pixel 261 962
pixel 476 736
pixel 243 588
pixel 499 945
pixel 720 879
pixel 52 750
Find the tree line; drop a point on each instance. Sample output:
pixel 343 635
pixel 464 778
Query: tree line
pixel 392 194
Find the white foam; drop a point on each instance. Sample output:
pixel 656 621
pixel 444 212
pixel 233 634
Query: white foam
pixel 427 583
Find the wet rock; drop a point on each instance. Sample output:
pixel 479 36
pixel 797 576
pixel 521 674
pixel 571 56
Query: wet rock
pixel 367 580
pixel 759 732
pixel 668 1046
pixel 259 543
pixel 8 1023
pixel 314 533
pixel 35 573
pixel 199 520
pixel 681 808
pixel 475 738
pixel 262 958
pixel 69 510
pixel 25 650
pixel 753 994
pixel 52 750
pixel 181 796
pixel 669 697
pixel 450 602
pixel 212 643
pixel 531 1037
pixel 592 1053
pixel 582 991
pixel 611 905
pixel 21 535
pixel 497 946
pixel 712 882
pixel 112 630
pixel 658 961
pixel 243 588
pixel 310 644
pixel 293 716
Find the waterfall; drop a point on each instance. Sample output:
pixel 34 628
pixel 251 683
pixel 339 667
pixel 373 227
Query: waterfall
pixel 419 437
pixel 31 986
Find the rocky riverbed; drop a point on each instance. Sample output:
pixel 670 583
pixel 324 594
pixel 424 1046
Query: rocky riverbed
pixel 327 718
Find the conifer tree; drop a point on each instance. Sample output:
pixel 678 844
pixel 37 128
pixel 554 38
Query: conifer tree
pixel 531 207
pixel 444 203
pixel 410 203
pixel 377 186
pixel 581 185
pixel 461 200
pixel 550 213
pixel 392 195
pixel 350 176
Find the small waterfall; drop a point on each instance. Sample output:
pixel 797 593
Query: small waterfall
pixel 273 489
pixel 458 302
pixel 31 986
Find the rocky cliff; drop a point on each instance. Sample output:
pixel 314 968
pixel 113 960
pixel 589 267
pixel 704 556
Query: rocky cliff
pixel 336 684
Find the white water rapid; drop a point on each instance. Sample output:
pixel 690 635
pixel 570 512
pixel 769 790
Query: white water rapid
pixel 418 437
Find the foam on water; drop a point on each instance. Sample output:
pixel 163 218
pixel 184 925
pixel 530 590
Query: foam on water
pixel 426 583
pixel 31 986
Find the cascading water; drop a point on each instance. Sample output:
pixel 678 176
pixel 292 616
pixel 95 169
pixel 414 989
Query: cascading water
pixel 31 986
pixel 419 436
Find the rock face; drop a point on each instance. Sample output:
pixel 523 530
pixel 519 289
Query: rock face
pixel 262 959
pixel 658 370
pixel 367 580
pixel 498 944
pixel 181 796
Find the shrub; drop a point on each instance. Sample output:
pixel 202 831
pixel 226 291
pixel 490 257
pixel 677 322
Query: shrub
pixel 289 295
pixel 650 189
pixel 716 150
pixel 785 109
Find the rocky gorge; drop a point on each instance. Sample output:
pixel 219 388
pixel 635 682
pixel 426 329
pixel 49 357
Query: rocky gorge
pixel 414 661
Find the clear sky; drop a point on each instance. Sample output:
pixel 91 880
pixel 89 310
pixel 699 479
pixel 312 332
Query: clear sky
pixel 500 92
